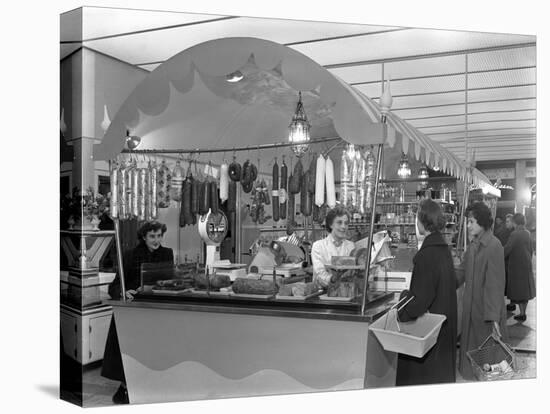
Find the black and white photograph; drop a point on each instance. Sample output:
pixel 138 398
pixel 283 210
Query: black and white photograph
pixel 256 206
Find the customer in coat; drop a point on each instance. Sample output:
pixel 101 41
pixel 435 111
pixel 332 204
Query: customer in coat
pixel 148 250
pixel 520 284
pixel 433 288
pixel 482 271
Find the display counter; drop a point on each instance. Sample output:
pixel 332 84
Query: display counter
pixel 188 348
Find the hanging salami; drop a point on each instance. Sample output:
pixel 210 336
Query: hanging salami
pixel 275 191
pixel 152 209
pixel 305 196
pixel 195 192
pixel 141 193
pixel 176 183
pixel 291 213
pixel 224 181
pixel 134 179
pixel 204 198
pixel 213 188
pixel 320 181
pixel 123 191
pixel 185 210
pixel 235 170
pixel 283 190
pixel 329 179
pixel 312 175
pixel 232 197
pixel 370 179
pixel 114 176
pixel 164 177
pixel 295 182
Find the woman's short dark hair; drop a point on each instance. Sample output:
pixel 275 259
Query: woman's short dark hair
pixel 481 212
pixel 150 226
pixel 337 211
pixel 431 216
pixel 519 219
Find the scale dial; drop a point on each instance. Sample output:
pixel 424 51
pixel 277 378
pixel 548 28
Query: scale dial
pixel 213 228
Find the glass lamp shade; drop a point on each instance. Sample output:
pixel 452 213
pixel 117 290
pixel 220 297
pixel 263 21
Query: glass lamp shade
pixel 132 141
pixel 404 170
pixel 298 130
pixel 423 173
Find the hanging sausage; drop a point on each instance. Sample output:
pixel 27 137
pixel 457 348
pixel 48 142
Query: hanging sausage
pixel 134 174
pixel 232 197
pixel 370 179
pixel 275 191
pixel 195 192
pixel 354 180
pixel 329 179
pixel 185 210
pixel 152 210
pixel 142 193
pixel 176 184
pixel 312 171
pixel 224 181
pixel 235 170
pixel 345 176
pixel 204 198
pixel 213 188
pixel 320 181
pixel 123 191
pixel 282 190
pixel 296 179
pixel 361 184
pixel 164 178
pixel 291 213
pixel 114 178
pixel 305 196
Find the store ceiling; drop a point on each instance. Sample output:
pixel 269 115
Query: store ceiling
pixel 465 90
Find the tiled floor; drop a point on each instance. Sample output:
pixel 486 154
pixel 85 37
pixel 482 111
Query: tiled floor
pixel 97 391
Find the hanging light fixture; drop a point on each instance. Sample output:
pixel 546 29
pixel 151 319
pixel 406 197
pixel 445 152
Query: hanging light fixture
pixel 298 130
pixel 423 173
pixel 132 141
pixel 234 77
pixel 404 170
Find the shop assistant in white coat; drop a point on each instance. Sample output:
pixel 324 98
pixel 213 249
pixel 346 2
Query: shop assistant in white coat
pixel 335 244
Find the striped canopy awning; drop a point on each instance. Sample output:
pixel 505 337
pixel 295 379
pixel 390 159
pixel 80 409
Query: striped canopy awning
pixel 417 144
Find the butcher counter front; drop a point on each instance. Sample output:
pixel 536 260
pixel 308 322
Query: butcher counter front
pixel 189 348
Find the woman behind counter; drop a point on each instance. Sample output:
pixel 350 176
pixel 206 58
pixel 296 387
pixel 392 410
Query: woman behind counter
pixel 433 285
pixel 482 270
pixel 335 244
pixel 148 250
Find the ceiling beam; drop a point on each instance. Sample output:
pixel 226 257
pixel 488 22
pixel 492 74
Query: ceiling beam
pixel 462 90
pixel 478 130
pixel 154 29
pixel 431 55
pixel 326 39
pixel 442 75
pixel 461 103
pixel 475 122
pixel 469 113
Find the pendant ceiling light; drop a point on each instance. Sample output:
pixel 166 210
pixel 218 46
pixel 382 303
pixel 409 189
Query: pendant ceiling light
pixel 298 130
pixel 404 170
pixel 423 173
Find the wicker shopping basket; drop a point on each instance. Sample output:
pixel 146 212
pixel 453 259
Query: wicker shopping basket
pixel 491 352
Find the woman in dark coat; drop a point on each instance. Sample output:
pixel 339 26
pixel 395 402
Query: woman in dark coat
pixel 520 284
pixel 433 285
pixel 148 250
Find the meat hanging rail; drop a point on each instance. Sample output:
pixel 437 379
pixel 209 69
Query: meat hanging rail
pixel 230 149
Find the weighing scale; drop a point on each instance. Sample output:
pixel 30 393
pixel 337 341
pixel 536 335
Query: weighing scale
pixel 212 229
